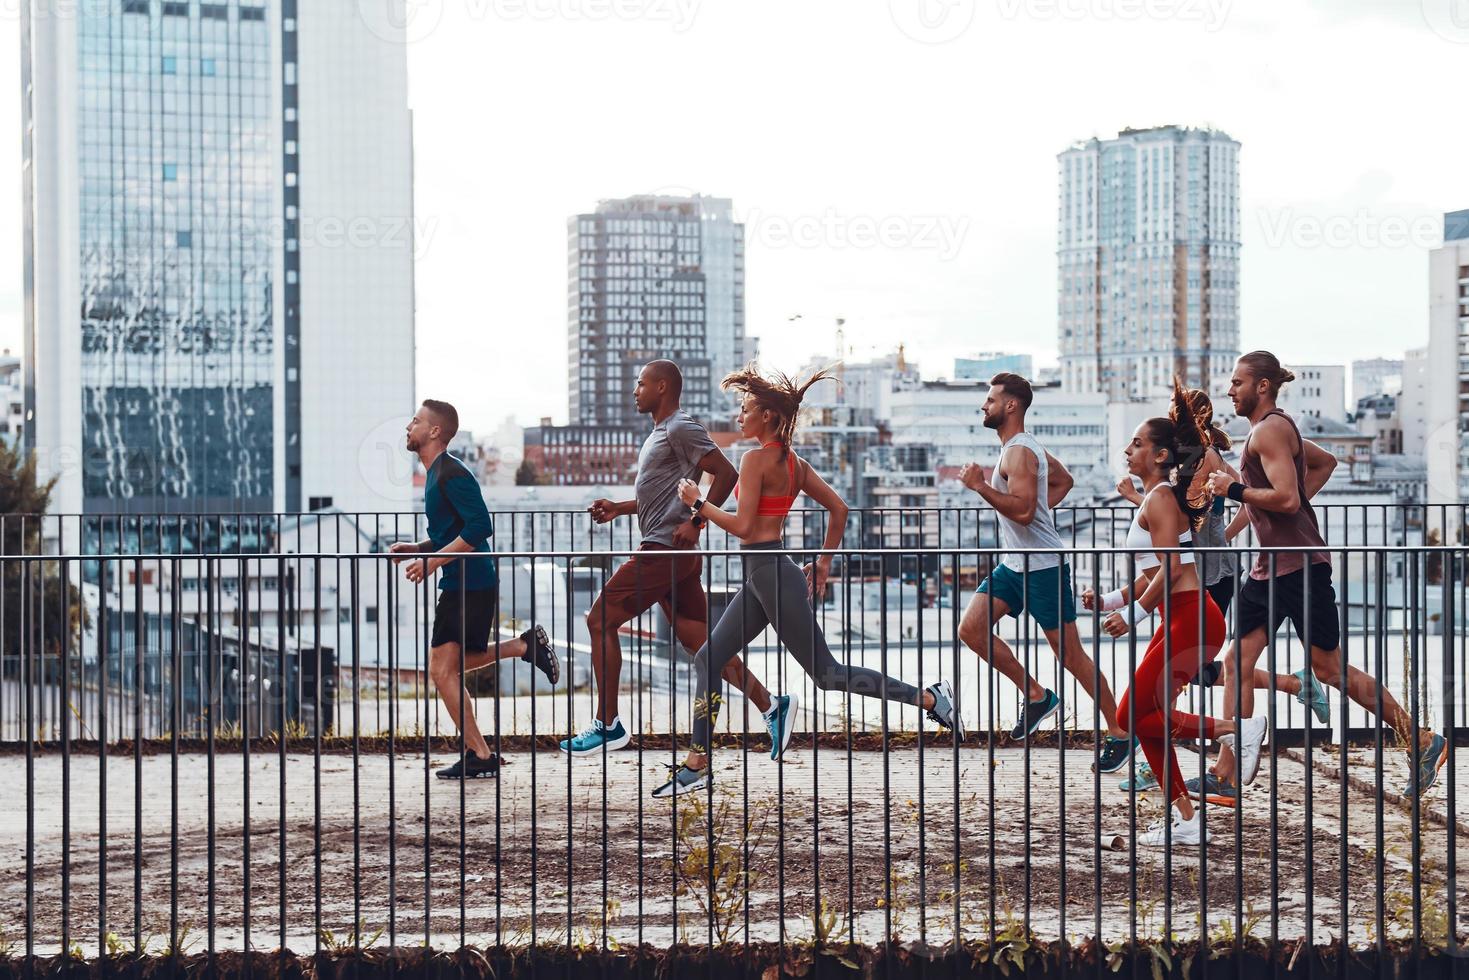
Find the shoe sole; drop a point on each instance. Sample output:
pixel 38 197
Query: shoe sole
pixel 1037 723
pixel 446 777
pixel 1246 780
pixel 1214 800
pixel 609 746
pixel 697 784
pixel 786 729
pixel 543 642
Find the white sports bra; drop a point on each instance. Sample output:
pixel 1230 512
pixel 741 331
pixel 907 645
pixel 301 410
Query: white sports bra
pixel 1141 542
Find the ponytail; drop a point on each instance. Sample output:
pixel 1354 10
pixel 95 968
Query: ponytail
pixel 779 393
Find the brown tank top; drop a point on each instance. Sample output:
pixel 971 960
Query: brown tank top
pixel 1276 530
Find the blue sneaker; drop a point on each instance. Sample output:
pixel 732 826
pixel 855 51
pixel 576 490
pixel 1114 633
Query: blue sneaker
pixel 597 738
pixel 1034 713
pixel 1115 753
pixel 1312 694
pixel 1430 761
pixel 1142 780
pixel 780 722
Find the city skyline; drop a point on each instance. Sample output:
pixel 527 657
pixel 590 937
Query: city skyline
pixel 1342 199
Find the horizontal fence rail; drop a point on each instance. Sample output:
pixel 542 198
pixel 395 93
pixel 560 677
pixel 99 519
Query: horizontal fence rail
pixel 228 751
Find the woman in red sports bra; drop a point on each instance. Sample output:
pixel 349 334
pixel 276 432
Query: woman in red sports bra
pixel 775 592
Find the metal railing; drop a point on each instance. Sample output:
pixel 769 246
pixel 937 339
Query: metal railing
pixel 229 751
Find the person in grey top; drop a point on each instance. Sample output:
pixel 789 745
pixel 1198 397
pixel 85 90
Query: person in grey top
pixel 1027 484
pixel 678 448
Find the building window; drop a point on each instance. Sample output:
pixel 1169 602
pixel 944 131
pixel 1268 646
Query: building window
pixel 170 171
pixel 369 615
pixel 206 67
pixel 170 65
pixel 319 503
pixel 186 239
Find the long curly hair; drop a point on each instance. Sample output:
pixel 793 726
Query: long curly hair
pixel 1184 436
pixel 778 393
pixel 1201 407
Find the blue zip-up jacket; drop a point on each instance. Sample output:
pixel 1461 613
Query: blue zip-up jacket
pixel 456 509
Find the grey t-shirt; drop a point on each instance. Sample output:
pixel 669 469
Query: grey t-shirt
pixel 670 453
pixel 1040 532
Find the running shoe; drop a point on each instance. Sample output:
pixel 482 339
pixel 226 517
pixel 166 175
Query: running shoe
pixel 1430 761
pixel 1182 833
pixel 944 711
pixel 538 652
pixel 597 738
pixel 1214 791
pixel 1253 732
pixel 1142 780
pixel 1209 676
pixel 471 767
pixel 1115 753
pixel 1312 694
pixel 684 780
pixel 1034 713
pixel 780 722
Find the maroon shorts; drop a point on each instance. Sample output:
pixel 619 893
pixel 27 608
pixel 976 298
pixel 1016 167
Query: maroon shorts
pixel 649 579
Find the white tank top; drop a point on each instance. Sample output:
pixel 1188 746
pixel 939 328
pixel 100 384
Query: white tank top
pixel 1041 531
pixel 1140 542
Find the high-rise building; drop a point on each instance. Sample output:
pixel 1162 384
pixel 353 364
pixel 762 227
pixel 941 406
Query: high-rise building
pixel 987 364
pixel 1446 442
pixel 654 277
pixel 218 225
pixel 1148 254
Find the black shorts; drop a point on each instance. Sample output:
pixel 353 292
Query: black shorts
pixel 471 630
pixel 1253 611
pixel 1222 592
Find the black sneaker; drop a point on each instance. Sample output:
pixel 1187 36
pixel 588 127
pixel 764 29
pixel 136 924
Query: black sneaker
pixel 944 711
pixel 1209 676
pixel 1115 753
pixel 471 767
pixel 538 652
pixel 684 780
pixel 1034 713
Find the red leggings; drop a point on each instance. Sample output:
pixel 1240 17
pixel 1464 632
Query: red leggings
pixel 1149 724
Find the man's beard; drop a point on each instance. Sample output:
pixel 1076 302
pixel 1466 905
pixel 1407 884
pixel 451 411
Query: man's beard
pixel 413 446
pixel 1248 404
pixel 993 421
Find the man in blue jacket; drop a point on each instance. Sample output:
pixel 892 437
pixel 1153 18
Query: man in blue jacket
pixel 459 525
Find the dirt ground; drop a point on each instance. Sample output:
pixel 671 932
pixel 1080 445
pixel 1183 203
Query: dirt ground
pixel 825 844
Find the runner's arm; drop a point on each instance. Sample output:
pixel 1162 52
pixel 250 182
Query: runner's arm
pixel 718 466
pixel 1058 481
pixel 1272 440
pixel 1020 504
pixel 1319 466
pixel 818 490
pixel 741 523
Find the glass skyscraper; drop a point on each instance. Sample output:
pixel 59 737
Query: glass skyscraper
pixel 178 176
pixel 174 363
pixel 654 277
pixel 1148 257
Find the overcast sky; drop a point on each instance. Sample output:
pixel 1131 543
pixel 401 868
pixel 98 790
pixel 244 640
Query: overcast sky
pixel 895 163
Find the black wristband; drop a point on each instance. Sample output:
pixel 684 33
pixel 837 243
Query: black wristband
pixel 698 521
pixel 1236 492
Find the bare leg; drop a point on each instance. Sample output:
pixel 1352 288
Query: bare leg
pixel 1240 659
pixel 1080 666
pixel 977 631
pixel 1362 688
pixel 443 667
pixel 602 626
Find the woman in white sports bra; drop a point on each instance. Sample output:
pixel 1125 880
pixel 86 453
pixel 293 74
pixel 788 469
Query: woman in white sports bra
pixel 1166 455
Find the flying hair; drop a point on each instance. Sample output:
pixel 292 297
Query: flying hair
pixel 1184 439
pixel 1201 407
pixel 777 392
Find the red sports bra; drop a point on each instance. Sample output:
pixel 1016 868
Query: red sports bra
pixel 777 506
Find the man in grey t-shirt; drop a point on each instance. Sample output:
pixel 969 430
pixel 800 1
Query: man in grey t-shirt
pixel 678 448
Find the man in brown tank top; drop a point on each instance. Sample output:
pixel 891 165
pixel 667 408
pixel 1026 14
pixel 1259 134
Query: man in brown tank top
pixel 1275 498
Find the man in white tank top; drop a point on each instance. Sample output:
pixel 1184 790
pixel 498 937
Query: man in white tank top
pixel 1026 484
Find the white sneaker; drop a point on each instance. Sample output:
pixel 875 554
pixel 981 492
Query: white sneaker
pixel 1182 832
pixel 1248 751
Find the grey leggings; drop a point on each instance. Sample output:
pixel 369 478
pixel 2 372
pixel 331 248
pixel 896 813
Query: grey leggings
pixel 774 591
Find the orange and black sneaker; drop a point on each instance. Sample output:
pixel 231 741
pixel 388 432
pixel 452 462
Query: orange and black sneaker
pixel 1214 790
